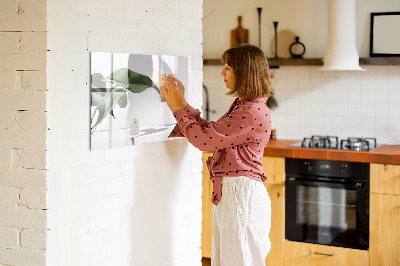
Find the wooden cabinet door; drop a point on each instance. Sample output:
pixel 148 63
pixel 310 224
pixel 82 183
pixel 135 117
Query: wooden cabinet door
pixel 384 237
pixel 304 254
pixel 277 233
pixel 274 168
pixel 206 226
pixel 385 178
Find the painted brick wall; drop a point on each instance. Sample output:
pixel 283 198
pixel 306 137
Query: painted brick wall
pixel 23 132
pixel 138 205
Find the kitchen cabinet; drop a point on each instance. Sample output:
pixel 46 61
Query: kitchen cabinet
pixel 385 178
pixel 206 226
pixel 274 168
pixel 305 254
pixel 385 215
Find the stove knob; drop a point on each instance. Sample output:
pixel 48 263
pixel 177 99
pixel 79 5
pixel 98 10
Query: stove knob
pixel 343 168
pixel 308 167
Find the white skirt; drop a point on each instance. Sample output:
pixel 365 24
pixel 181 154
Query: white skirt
pixel 241 223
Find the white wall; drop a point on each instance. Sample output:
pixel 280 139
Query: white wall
pixel 138 205
pixel 306 19
pixel 311 102
pixel 23 133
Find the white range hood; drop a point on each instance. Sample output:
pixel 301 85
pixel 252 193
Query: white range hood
pixel 341 51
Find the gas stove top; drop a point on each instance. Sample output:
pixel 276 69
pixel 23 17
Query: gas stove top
pixel 332 142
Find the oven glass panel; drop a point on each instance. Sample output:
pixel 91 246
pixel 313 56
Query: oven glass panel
pixel 326 207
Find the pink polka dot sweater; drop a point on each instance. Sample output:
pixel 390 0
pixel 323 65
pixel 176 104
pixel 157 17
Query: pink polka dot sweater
pixel 238 139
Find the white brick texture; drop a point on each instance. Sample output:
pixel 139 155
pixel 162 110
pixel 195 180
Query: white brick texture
pixel 9 237
pixel 33 239
pixel 124 203
pixel 23 126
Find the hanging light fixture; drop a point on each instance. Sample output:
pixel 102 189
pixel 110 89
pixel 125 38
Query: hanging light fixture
pixel 341 51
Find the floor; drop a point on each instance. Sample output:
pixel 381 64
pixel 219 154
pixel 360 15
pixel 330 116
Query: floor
pixel 206 261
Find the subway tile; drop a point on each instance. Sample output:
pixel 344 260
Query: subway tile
pixel 342 109
pixel 355 96
pixel 367 109
pixel 329 94
pixel 316 72
pixel 394 83
pixel 342 82
pixel 354 81
pixel 394 110
pixel 291 71
pixel 394 97
pixel 394 123
pixel 355 132
pixel 367 133
pixel 381 123
pixel 380 97
pixel 381 110
pixel 394 70
pixel 368 122
pixel 367 83
pixel 342 96
pixel 367 96
pixel 380 71
pixel 304 72
pixel 380 84
pixel 292 82
pixel 316 82
pixel 329 122
pixel 329 109
pixel 394 136
pixel 355 122
pixel 328 74
pixel 355 109
pixel 382 136
pixel 342 122
pixel 303 82
pixel 317 120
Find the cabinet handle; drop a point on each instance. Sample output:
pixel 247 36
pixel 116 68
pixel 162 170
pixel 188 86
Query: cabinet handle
pixel 324 254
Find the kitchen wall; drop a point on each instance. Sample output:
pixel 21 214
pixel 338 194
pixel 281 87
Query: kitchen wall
pixel 139 205
pixel 342 103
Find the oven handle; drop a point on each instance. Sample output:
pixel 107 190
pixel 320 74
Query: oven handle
pixel 357 185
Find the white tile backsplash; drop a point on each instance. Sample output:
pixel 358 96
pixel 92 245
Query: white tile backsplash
pixel 345 103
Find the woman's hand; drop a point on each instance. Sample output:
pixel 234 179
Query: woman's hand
pixel 172 95
pixel 181 92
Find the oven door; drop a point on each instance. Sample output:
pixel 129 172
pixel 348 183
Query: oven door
pixel 327 213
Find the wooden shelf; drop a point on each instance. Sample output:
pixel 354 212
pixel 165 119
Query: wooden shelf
pixel 380 61
pixel 273 63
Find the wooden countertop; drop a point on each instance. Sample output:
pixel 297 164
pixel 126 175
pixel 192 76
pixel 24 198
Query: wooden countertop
pixel 389 154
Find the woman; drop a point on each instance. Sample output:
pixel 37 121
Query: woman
pixel 242 208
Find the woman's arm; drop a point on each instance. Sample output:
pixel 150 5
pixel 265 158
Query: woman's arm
pixel 239 127
pixel 194 113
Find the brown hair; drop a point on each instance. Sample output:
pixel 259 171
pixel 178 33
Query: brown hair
pixel 250 66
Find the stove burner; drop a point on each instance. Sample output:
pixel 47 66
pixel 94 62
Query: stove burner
pixel 332 142
pixel 358 144
pixel 328 142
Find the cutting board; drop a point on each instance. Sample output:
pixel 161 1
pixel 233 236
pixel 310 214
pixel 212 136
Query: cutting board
pixel 239 35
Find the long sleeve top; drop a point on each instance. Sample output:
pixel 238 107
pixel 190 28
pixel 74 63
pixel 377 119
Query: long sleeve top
pixel 238 139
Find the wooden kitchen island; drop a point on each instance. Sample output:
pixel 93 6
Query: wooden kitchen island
pixel 384 247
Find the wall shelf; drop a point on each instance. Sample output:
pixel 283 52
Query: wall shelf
pixel 274 63
pixel 380 61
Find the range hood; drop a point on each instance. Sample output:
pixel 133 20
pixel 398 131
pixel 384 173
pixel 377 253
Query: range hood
pixel 341 51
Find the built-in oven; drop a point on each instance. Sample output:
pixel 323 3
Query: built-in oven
pixel 327 202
